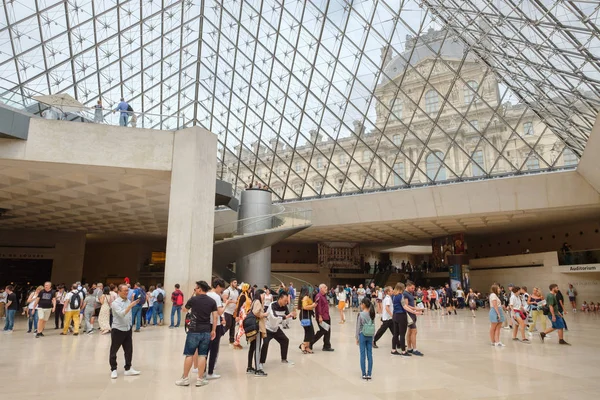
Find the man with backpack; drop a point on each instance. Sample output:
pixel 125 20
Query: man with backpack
pixel 177 299
pixel 136 311
pixel 73 302
pixel 159 304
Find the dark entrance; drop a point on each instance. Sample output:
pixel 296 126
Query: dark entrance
pixel 24 272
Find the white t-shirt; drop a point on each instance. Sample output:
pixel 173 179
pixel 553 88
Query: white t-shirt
pixel 68 300
pixel 268 299
pixel 32 303
pixel 3 296
pixel 494 296
pixel 233 295
pixel 515 302
pixel 380 294
pixel 387 301
pixel 217 300
pixel 361 292
pixel 151 299
pixel 460 293
pixel 341 296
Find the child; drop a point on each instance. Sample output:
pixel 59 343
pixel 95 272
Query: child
pixel 592 307
pixel 365 329
pixel 584 307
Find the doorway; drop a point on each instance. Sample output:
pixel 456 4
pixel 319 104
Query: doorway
pixel 24 272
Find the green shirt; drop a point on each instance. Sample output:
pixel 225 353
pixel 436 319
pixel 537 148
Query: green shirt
pixel 551 301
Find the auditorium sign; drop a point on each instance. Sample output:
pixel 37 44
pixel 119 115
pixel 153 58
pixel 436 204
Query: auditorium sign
pixel 577 268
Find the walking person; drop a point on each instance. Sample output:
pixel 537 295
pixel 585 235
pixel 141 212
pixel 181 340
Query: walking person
pixel 306 307
pixel 400 320
pixel 32 313
pixel 45 303
pixel 554 315
pixel 386 316
pixel 159 304
pixel 73 302
pixel 365 329
pixel 12 306
pixel 104 316
pixel 203 310
pixel 536 311
pixel 242 308
pixel 433 299
pixel 518 313
pixel 496 316
pixel 258 311
pixel 572 294
pixel 230 297
pixel 323 319
pixel 450 306
pixel 342 299
pixel 121 333
pixel 277 313
pixel 60 303
pixel 177 300
pixel 472 301
pixel 89 307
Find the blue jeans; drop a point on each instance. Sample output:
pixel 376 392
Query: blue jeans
pixel 123 119
pixel 136 316
pixel 366 351
pixel 178 310
pixel 149 314
pixel 33 319
pixel 157 311
pixel 10 320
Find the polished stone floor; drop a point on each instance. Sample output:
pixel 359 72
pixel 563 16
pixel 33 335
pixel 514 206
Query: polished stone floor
pixel 459 363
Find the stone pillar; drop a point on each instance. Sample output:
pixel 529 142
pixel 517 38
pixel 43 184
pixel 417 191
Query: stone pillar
pixel 190 233
pixel 67 266
pixel 255 268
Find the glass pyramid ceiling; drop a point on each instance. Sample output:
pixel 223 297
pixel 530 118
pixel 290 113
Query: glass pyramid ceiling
pixel 318 98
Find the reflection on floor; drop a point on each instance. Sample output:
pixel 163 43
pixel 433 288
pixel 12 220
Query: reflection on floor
pixel 459 363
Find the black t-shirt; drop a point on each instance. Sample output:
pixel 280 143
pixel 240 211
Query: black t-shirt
pixel 559 298
pixel 448 293
pixel 202 306
pixel 12 298
pixel 46 299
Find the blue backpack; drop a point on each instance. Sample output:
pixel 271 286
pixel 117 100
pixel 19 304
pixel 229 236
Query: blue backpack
pixel 141 295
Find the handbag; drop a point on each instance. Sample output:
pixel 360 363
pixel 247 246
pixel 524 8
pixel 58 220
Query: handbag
pixel 305 321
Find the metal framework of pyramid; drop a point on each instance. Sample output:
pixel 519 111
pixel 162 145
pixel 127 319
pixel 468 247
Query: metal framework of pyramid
pixel 314 98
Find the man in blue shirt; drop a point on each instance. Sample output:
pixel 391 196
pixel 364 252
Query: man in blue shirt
pixel 409 307
pixel 124 114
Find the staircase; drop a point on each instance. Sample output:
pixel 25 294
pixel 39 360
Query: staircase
pixel 231 243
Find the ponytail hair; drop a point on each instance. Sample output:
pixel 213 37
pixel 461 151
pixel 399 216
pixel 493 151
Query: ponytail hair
pixel 369 304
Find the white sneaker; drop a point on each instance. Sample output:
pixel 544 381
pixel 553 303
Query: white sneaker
pixel 132 372
pixel 500 344
pixel 183 382
pixel 288 362
pixel 201 382
pixel 195 371
pixel 212 376
pixel 113 374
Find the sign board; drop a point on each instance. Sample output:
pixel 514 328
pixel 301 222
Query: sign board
pixel 570 269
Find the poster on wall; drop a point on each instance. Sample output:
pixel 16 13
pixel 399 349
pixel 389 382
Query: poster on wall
pixel 459 243
pixel 466 279
pixel 455 276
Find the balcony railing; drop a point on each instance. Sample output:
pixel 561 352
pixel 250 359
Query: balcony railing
pixel 579 257
pixel 101 115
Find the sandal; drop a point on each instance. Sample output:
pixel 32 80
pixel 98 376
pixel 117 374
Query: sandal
pixel 303 349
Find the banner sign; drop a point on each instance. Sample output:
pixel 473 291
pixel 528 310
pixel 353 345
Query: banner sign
pixel 577 268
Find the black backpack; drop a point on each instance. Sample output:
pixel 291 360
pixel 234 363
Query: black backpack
pixel 250 324
pixel 75 301
pixel 129 108
pixel 160 298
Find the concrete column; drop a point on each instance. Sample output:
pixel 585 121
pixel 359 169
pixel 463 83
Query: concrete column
pixel 67 266
pixel 190 233
pixel 255 268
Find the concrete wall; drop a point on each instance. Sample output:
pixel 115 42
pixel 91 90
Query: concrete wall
pixel 587 284
pixel 589 167
pixel 581 236
pixel 92 144
pixel 66 249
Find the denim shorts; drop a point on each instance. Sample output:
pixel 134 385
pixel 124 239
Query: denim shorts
pixel 558 324
pixel 196 341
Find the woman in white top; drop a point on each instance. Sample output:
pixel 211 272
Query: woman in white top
pixel 496 316
pixel 104 316
pixel 268 298
pixel 31 312
pixel 518 311
pixel 150 300
pixel 341 296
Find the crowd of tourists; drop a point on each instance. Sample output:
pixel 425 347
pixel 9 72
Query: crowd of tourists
pixel 250 315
